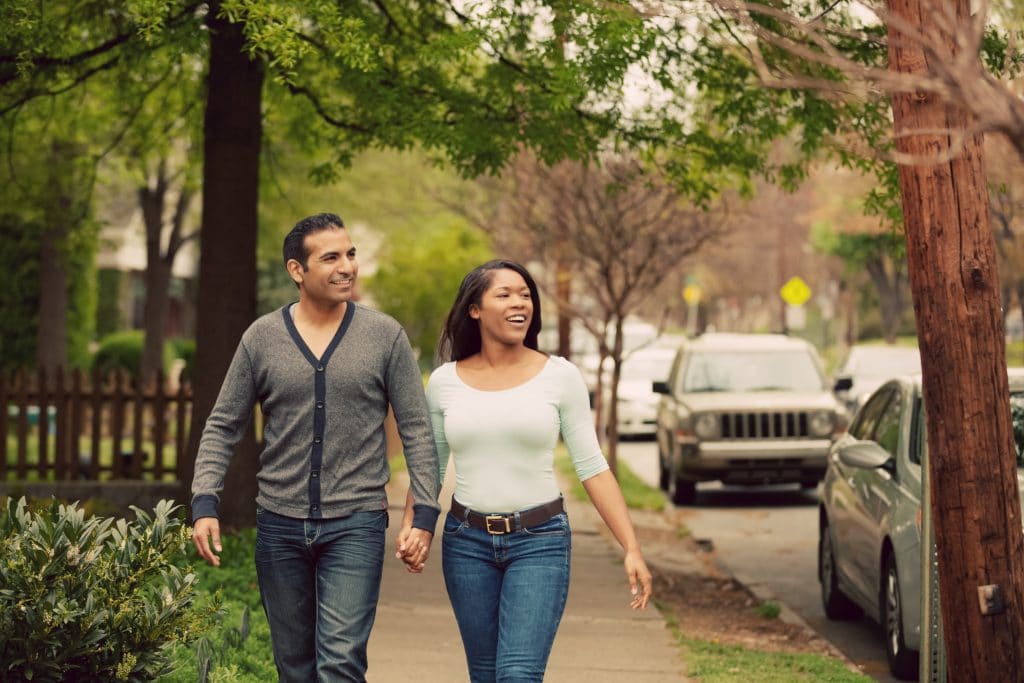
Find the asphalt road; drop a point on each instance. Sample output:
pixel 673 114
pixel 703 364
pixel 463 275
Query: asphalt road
pixel 768 535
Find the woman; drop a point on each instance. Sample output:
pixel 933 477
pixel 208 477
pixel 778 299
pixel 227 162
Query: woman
pixel 498 407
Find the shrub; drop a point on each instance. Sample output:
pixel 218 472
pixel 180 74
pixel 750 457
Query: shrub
pixel 123 351
pixel 184 349
pixel 94 599
pixel 19 281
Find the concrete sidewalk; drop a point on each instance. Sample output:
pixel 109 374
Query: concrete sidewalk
pixel 600 640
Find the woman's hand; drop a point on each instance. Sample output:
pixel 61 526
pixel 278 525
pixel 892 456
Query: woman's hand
pixel 639 579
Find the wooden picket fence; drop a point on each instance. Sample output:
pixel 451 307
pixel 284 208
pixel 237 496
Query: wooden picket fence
pixel 88 426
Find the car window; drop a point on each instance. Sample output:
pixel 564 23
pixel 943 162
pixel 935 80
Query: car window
pixel 863 427
pixel 882 361
pixel 647 366
pixel 1017 420
pixel 788 370
pixel 920 449
pixel 1017 424
pixel 887 431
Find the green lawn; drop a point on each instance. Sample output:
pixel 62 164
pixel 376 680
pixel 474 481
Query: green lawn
pixel 638 495
pixel 248 661
pixel 715 663
pixel 106 456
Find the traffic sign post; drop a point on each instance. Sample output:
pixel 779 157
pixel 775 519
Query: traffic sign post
pixel 692 295
pixel 795 292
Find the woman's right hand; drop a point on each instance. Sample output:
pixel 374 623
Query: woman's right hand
pixel 639 579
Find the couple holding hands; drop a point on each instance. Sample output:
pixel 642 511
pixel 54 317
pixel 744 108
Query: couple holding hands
pixel 324 371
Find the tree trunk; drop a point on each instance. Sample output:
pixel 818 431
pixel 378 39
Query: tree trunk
pixel 563 292
pixel 890 297
pixel 157 276
pixel 59 217
pixel 52 344
pixel 954 282
pixel 154 317
pixel 227 264
pixel 613 398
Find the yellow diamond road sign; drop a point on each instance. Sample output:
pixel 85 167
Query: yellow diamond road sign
pixel 691 294
pixel 795 292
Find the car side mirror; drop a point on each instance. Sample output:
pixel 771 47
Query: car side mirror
pixel 660 388
pixel 866 455
pixel 844 383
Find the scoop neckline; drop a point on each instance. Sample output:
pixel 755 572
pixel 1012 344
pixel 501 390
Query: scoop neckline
pixel 467 385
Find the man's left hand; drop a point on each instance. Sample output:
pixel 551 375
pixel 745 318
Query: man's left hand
pixel 413 548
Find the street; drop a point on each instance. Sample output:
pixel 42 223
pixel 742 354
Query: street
pixel 768 535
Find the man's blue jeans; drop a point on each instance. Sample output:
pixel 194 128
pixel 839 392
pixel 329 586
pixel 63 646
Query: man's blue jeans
pixel 319 581
pixel 508 593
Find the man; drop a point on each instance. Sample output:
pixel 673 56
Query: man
pixel 324 370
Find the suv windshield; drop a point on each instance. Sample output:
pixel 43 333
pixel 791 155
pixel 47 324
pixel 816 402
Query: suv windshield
pixel 751 371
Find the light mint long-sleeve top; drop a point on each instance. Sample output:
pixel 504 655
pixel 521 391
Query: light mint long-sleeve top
pixel 502 442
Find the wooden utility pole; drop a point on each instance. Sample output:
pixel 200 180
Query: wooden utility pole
pixel 955 285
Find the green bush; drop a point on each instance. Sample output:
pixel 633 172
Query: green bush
pixel 112 286
pixel 184 349
pixel 123 351
pixel 19 282
pixel 94 599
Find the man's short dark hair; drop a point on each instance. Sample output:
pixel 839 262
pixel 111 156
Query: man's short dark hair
pixel 294 241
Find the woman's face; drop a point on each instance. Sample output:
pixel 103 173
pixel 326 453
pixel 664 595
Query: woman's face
pixel 506 308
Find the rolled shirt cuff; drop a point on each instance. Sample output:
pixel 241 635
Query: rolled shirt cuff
pixel 424 517
pixel 204 506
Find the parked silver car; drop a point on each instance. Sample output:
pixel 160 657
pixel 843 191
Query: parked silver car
pixel 638 404
pixel 869 541
pixel 744 409
pixel 868 366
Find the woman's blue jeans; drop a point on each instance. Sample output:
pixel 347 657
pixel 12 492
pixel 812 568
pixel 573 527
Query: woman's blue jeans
pixel 508 593
pixel 320 581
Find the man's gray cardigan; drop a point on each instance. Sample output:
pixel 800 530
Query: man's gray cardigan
pixel 323 433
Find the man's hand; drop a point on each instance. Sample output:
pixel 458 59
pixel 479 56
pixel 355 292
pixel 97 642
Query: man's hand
pixel 204 531
pixel 413 548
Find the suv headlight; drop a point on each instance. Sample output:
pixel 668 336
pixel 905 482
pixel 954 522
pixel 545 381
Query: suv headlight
pixel 707 426
pixel 822 423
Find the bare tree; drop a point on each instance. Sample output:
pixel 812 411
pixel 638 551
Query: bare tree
pixel 1006 204
pixel 943 99
pixel 623 232
pixel 154 197
pixel 952 68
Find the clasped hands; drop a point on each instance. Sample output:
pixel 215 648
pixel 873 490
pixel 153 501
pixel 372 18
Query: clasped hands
pixel 413 548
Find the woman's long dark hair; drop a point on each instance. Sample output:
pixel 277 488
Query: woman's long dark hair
pixel 460 337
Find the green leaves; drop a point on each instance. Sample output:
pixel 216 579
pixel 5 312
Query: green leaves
pixel 418 278
pixel 93 599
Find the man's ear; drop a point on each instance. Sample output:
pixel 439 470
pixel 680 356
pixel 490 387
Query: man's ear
pixel 295 271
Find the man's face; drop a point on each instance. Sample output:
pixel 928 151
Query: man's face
pixel 332 267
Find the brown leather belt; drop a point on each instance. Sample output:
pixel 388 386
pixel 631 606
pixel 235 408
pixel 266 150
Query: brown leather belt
pixel 499 524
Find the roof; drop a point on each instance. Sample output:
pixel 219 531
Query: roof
pixel 1016 377
pixel 722 341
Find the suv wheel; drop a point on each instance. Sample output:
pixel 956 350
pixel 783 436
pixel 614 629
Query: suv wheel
pixel 835 603
pixel 663 471
pixel 681 491
pixel 903 662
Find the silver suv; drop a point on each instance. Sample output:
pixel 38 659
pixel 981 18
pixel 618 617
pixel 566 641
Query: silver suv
pixel 744 409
